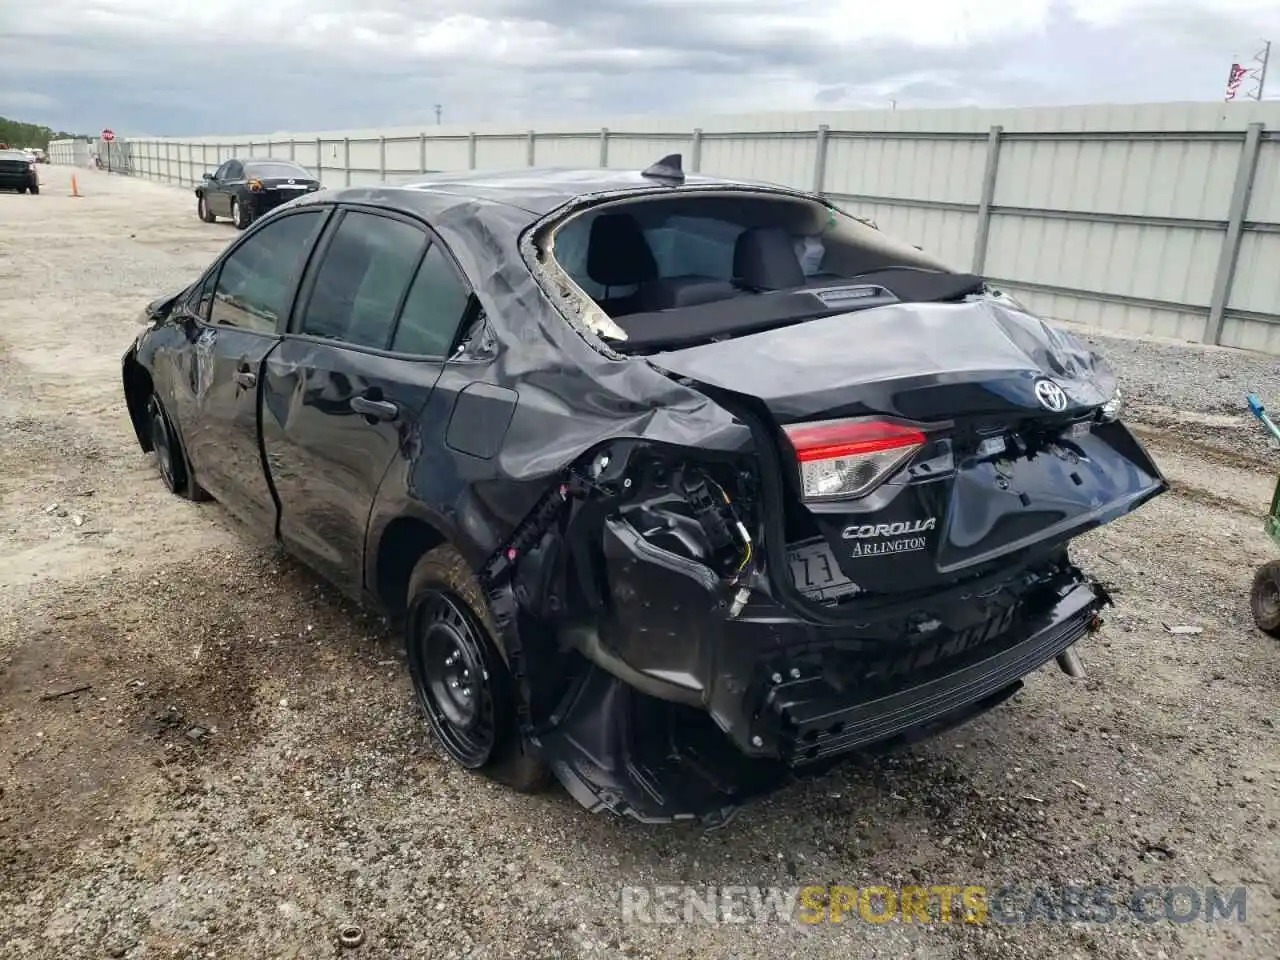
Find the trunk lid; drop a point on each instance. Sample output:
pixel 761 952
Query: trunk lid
pixel 1007 464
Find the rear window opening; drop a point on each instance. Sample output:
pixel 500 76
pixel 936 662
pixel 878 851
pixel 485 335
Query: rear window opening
pixel 699 266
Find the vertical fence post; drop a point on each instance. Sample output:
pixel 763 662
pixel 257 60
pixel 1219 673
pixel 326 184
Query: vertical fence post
pixel 532 148
pixel 168 161
pixel 319 160
pixel 382 159
pixel 422 153
pixel 471 150
pixel 346 160
pixel 293 149
pixel 1230 254
pixel 990 176
pixel 204 156
pixel 695 152
pixel 604 147
pixel 820 160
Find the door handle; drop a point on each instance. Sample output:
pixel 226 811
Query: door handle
pixel 246 378
pixel 376 409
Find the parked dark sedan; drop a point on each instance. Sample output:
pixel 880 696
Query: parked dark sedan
pixel 680 486
pixel 18 172
pixel 246 189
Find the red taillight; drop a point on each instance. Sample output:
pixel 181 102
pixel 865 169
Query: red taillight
pixel 849 458
pixel 847 438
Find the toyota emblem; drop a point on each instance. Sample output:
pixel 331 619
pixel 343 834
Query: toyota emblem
pixel 1051 396
pixel 291 180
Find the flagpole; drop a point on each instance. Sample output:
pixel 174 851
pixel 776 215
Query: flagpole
pixel 1262 76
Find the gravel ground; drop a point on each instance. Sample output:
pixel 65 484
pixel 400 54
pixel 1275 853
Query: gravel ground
pixel 245 773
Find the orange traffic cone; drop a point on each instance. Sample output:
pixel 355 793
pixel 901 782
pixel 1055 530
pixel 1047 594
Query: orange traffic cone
pixel 75 187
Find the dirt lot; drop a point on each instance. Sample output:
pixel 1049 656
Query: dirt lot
pixel 314 798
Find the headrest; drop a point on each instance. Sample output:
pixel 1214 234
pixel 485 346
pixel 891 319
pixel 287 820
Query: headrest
pixel 764 258
pixel 617 253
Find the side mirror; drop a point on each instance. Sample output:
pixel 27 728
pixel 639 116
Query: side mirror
pixel 207 176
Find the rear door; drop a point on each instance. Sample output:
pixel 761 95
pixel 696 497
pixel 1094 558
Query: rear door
pixel 242 313
pixel 342 393
pixel 229 185
pixel 215 194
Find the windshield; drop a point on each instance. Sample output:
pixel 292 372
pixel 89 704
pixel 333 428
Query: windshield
pixel 709 264
pixel 276 169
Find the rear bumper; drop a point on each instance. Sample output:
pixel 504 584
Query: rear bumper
pixel 811 720
pixel 688 711
pixel 13 181
pixel 788 688
pixel 266 200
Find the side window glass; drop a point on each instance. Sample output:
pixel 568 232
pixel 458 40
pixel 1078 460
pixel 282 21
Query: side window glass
pixel 198 299
pixel 361 280
pixel 256 279
pixel 433 309
pixel 235 171
pixel 221 172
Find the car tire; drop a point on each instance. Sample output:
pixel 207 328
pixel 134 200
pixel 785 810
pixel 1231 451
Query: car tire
pixel 238 215
pixel 462 685
pixel 34 191
pixel 21 190
pixel 171 460
pixel 202 209
pixel 1264 598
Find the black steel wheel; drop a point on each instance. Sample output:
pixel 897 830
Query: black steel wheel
pixel 463 686
pixel 163 442
pixel 171 460
pixel 453 682
pixel 1264 598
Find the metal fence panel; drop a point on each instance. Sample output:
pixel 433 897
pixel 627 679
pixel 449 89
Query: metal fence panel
pixel 1156 219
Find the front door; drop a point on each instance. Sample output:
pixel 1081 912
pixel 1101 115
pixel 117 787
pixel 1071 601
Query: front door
pixel 251 292
pixel 343 391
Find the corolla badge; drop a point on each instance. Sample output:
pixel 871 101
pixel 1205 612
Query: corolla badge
pixel 1051 396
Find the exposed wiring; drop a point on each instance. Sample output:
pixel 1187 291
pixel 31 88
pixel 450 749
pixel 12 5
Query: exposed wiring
pixel 748 550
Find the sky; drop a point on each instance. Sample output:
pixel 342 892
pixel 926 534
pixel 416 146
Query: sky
pixel 191 67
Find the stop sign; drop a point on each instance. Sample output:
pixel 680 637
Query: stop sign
pixel 108 135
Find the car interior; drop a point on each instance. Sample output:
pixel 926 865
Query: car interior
pixel 730 262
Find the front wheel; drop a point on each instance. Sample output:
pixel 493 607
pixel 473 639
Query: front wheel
pixel 170 459
pixel 1264 598
pixel 461 682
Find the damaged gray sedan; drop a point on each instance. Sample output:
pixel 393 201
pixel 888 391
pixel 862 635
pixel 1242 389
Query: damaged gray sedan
pixel 682 487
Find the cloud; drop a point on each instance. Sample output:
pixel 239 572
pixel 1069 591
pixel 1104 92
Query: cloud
pixel 179 67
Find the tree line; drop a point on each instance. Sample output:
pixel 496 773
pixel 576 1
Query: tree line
pixel 18 134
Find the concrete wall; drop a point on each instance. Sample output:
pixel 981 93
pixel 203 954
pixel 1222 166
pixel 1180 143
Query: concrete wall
pixel 1149 219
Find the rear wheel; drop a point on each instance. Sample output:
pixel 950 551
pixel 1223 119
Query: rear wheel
pixel 170 459
pixel 1265 598
pixel 239 216
pixel 202 209
pixel 34 189
pixel 22 189
pixel 462 684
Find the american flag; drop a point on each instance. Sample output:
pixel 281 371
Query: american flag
pixel 1234 79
